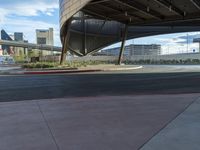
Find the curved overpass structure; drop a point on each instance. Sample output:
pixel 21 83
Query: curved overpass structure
pixel 90 25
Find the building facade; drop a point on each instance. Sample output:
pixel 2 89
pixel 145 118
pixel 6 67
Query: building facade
pixel 45 36
pixel 18 36
pixel 132 50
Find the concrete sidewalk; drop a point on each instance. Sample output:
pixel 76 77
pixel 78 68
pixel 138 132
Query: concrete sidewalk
pixel 183 133
pixel 97 123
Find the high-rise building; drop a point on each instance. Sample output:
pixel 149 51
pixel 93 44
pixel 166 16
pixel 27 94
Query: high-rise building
pixel 45 37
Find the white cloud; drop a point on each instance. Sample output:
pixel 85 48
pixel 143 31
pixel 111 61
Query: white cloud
pixel 3 14
pixel 29 8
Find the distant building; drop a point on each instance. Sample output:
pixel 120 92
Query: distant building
pixel 132 50
pixel 4 36
pixel 17 52
pixel 18 36
pixel 45 37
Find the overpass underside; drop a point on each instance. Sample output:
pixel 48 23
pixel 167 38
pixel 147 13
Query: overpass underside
pixel 90 25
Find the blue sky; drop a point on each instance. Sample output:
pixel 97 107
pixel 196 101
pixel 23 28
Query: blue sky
pixel 28 15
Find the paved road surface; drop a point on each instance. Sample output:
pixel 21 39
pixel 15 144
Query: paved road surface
pixel 14 88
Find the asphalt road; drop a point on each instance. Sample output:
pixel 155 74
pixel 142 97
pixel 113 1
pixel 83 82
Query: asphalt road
pixel 16 88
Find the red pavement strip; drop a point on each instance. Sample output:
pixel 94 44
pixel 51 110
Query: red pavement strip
pixel 59 71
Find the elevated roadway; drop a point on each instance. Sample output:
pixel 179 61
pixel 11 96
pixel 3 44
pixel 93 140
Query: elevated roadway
pixel 30 45
pixel 91 25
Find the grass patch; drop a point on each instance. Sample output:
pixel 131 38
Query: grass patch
pixel 39 65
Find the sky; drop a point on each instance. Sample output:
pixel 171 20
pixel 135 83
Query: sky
pixel 28 15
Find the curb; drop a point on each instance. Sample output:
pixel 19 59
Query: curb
pixel 58 72
pixel 66 71
pixel 121 69
pixel 47 72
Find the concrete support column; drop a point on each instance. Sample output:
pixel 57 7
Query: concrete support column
pixel 65 44
pixel 123 44
pixel 64 52
pixel 84 31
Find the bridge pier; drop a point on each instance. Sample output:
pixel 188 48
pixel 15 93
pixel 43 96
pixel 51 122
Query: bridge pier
pixel 65 44
pixel 123 44
pixel 64 52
